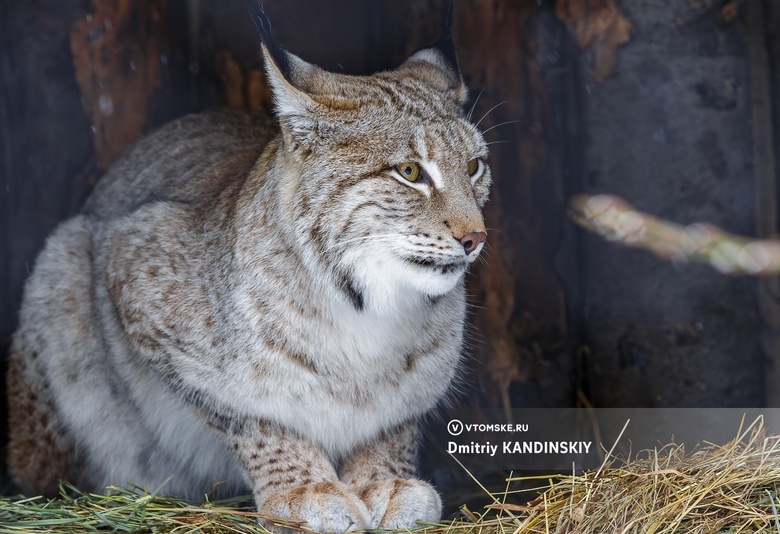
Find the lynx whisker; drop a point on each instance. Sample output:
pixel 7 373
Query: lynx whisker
pixel 499 124
pixel 378 237
pixel 489 111
pixel 499 142
pixel 474 105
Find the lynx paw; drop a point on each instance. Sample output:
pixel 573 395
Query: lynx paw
pixel 325 507
pixel 397 504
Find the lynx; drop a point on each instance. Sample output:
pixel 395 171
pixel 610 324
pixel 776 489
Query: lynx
pixel 272 302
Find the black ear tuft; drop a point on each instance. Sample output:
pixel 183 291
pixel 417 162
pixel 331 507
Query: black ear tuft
pixel 444 43
pixel 263 25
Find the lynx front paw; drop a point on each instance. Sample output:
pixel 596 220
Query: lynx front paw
pixel 397 504
pixel 325 507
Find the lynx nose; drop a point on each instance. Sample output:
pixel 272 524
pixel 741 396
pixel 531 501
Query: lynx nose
pixel 472 240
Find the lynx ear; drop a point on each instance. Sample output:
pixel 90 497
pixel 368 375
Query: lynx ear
pixel 299 90
pixel 288 75
pixel 437 64
pixel 285 73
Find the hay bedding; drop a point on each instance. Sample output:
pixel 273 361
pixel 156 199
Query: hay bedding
pixel 731 488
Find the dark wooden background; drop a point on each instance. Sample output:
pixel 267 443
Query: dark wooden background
pixel 649 99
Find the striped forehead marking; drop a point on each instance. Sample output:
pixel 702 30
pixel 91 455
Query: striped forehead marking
pixel 434 173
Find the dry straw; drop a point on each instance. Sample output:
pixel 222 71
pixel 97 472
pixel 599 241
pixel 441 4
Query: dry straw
pixel 717 489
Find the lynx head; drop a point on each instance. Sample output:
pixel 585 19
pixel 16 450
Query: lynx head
pixel 384 176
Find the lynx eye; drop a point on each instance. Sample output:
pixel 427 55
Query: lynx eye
pixel 410 171
pixel 474 165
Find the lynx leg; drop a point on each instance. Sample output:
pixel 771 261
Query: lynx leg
pixel 382 473
pixel 292 478
pixel 40 453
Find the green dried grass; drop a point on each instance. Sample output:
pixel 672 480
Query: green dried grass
pixel 124 510
pixel 718 489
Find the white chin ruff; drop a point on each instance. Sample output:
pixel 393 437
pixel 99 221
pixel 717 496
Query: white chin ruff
pixel 389 282
pixel 433 282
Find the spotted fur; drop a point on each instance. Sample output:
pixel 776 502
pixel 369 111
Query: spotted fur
pixel 263 301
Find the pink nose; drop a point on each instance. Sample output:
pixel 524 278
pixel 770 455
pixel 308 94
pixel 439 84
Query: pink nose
pixel 472 240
